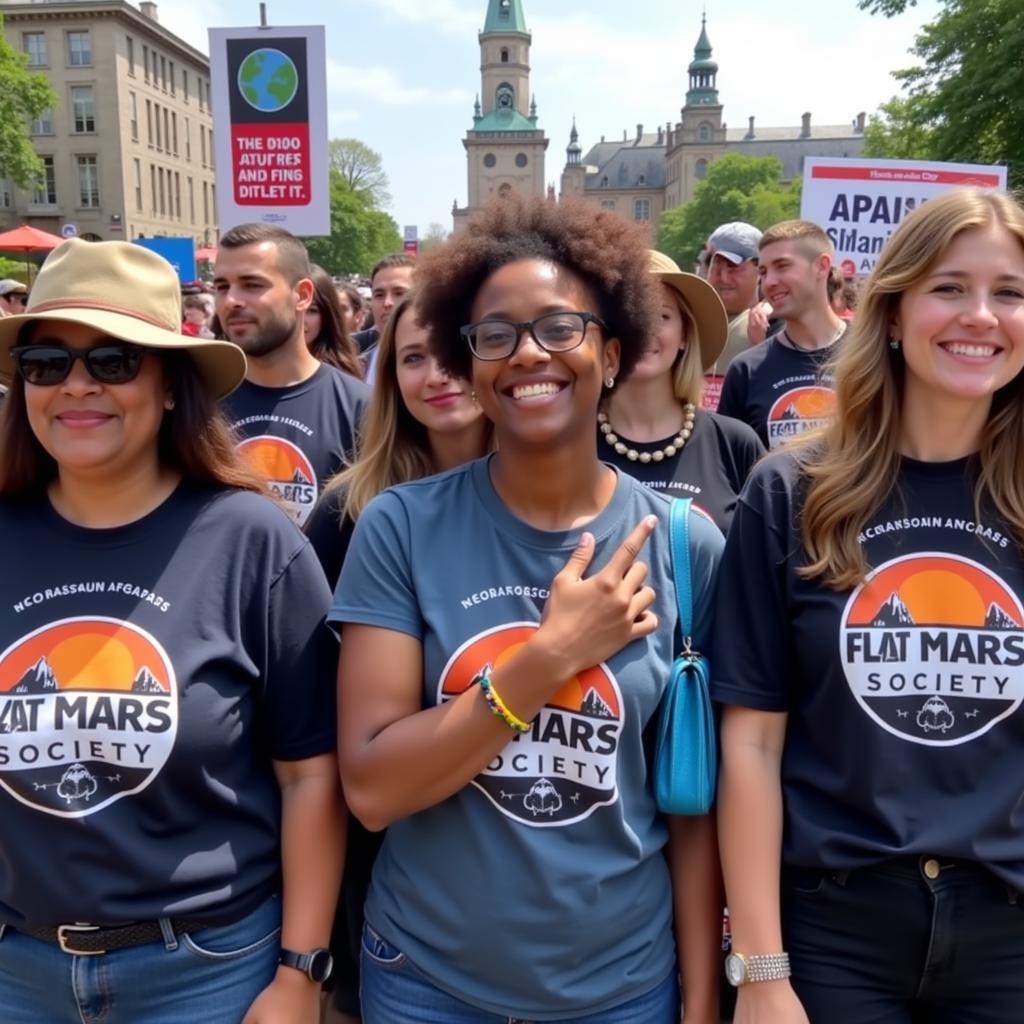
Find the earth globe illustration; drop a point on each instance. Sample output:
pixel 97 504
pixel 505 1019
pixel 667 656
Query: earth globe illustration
pixel 268 80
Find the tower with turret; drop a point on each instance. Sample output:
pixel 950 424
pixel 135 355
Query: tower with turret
pixel 574 175
pixel 504 148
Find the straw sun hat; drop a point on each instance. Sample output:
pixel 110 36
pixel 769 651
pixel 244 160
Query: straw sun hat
pixel 128 293
pixel 701 300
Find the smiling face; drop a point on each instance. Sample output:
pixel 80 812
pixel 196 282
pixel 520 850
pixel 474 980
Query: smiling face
pixel 441 403
pixel 792 279
pixel 389 285
pixel 962 325
pixel 91 428
pixel 736 283
pixel 667 341
pixel 535 396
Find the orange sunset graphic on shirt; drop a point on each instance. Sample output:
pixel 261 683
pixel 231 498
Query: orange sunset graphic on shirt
pixel 565 767
pixel 287 471
pixel 797 411
pixel 88 714
pixel 933 648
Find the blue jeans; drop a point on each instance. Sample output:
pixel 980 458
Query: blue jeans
pixel 911 941
pixel 210 975
pixel 393 991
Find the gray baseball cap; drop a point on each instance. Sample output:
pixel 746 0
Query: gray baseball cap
pixel 736 241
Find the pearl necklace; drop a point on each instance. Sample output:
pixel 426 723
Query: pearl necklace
pixel 673 448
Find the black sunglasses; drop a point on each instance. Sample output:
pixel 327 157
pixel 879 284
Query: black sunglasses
pixel 115 362
pixel 19 297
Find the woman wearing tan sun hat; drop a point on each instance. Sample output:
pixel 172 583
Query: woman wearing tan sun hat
pixel 651 425
pixel 168 785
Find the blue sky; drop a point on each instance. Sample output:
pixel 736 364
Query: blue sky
pixel 403 74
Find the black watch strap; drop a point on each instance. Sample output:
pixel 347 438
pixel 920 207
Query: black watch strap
pixel 316 965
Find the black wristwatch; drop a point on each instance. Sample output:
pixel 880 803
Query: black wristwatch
pixel 316 965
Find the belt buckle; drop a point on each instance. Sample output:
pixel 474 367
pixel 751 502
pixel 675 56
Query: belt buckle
pixel 62 939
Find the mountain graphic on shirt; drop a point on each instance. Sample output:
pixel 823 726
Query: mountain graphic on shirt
pixel 595 706
pixel 893 613
pixel 38 679
pixel 146 682
pixel 298 477
pixel 998 619
pixel 790 413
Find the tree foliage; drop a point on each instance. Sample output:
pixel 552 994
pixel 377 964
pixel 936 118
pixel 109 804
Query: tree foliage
pixel 24 96
pixel 360 233
pixel 435 235
pixel 897 131
pixel 736 188
pixel 967 93
pixel 362 169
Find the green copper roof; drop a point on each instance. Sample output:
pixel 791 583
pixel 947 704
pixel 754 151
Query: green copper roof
pixel 505 120
pixel 505 16
pixel 703 47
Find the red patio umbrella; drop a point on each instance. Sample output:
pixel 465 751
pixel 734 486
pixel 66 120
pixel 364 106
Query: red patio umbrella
pixel 206 253
pixel 28 239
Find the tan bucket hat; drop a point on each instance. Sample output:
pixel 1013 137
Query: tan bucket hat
pixel 127 292
pixel 701 300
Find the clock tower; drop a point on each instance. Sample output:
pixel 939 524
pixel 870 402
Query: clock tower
pixel 504 148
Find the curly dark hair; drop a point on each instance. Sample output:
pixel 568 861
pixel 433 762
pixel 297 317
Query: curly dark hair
pixel 609 254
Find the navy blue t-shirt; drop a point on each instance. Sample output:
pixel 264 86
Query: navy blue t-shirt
pixel 149 676
pixel 905 734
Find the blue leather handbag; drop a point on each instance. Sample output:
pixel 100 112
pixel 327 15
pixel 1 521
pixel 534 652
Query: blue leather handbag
pixel 686 752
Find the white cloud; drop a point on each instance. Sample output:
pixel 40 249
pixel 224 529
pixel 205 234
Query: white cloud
pixel 382 85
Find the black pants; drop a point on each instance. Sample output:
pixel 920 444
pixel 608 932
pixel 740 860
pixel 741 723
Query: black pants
pixel 892 945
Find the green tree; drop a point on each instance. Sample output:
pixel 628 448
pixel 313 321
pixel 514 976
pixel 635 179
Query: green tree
pixel 360 235
pixel 967 93
pixel 736 188
pixel 24 96
pixel 898 131
pixel 435 235
pixel 362 169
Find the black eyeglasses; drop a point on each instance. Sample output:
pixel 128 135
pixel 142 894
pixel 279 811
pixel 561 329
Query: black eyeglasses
pixel 554 332
pixel 115 362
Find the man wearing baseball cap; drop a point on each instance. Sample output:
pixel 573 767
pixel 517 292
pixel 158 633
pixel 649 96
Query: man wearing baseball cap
pixel 13 297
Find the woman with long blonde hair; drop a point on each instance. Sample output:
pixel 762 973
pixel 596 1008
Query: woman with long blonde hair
pixel 420 421
pixel 872 734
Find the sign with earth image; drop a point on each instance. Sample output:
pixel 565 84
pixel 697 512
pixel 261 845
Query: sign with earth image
pixel 270 126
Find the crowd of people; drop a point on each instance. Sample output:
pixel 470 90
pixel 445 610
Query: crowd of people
pixel 333 653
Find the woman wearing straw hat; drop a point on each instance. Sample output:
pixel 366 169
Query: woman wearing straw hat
pixel 167 782
pixel 651 426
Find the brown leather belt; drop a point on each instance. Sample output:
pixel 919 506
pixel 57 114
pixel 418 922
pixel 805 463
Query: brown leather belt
pixel 93 939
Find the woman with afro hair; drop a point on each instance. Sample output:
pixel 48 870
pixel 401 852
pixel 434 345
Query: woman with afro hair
pixel 508 632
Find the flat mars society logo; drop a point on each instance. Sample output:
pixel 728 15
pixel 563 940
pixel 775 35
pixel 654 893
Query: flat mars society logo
pixel 88 715
pixel 564 768
pixel 289 474
pixel 932 646
pixel 798 411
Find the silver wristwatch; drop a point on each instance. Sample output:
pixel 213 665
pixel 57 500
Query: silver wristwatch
pixel 744 970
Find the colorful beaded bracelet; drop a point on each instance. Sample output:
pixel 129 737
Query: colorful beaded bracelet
pixel 496 704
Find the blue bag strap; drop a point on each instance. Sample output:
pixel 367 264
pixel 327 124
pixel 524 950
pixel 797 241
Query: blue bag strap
pixel 679 542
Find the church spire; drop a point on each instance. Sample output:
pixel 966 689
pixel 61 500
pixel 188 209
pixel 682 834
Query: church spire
pixel 703 72
pixel 505 16
pixel 573 151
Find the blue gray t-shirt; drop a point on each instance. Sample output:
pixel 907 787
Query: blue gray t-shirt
pixel 539 890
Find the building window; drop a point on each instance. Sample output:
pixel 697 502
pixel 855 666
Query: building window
pixel 188 140
pixel 211 149
pixel 163 73
pixel 152 187
pixel 641 209
pixel 184 85
pixel 45 193
pixel 83 108
pixel 521 160
pixel 138 185
pixel 6 195
pixel 167 130
pixel 145 62
pixel 35 47
pixel 133 109
pixel 202 145
pixel 156 118
pixel 170 75
pixel 490 160
pixel 149 122
pixel 607 204
pixel 174 133
pixel 191 201
pixel 213 199
pixel 701 169
pixel 504 55
pixel 163 191
pixel 704 132
pixel 206 203
pixel 43 124
pixel 604 181
pixel 199 92
pixel 177 194
pixel 130 51
pixel 79 49
pixel 88 182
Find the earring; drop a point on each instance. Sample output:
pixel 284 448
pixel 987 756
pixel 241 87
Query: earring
pixel 168 404
pixel 894 344
pixel 609 382
pixel 473 396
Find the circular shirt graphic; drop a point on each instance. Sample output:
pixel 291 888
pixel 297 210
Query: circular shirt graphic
pixel 268 80
pixel 798 411
pixel 289 474
pixel 88 714
pixel 932 646
pixel 565 767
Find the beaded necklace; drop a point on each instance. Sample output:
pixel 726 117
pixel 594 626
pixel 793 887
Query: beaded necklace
pixel 672 448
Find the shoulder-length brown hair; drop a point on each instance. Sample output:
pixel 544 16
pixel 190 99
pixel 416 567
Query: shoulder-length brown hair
pixel 333 345
pixel 194 439
pixel 395 446
pixel 852 465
